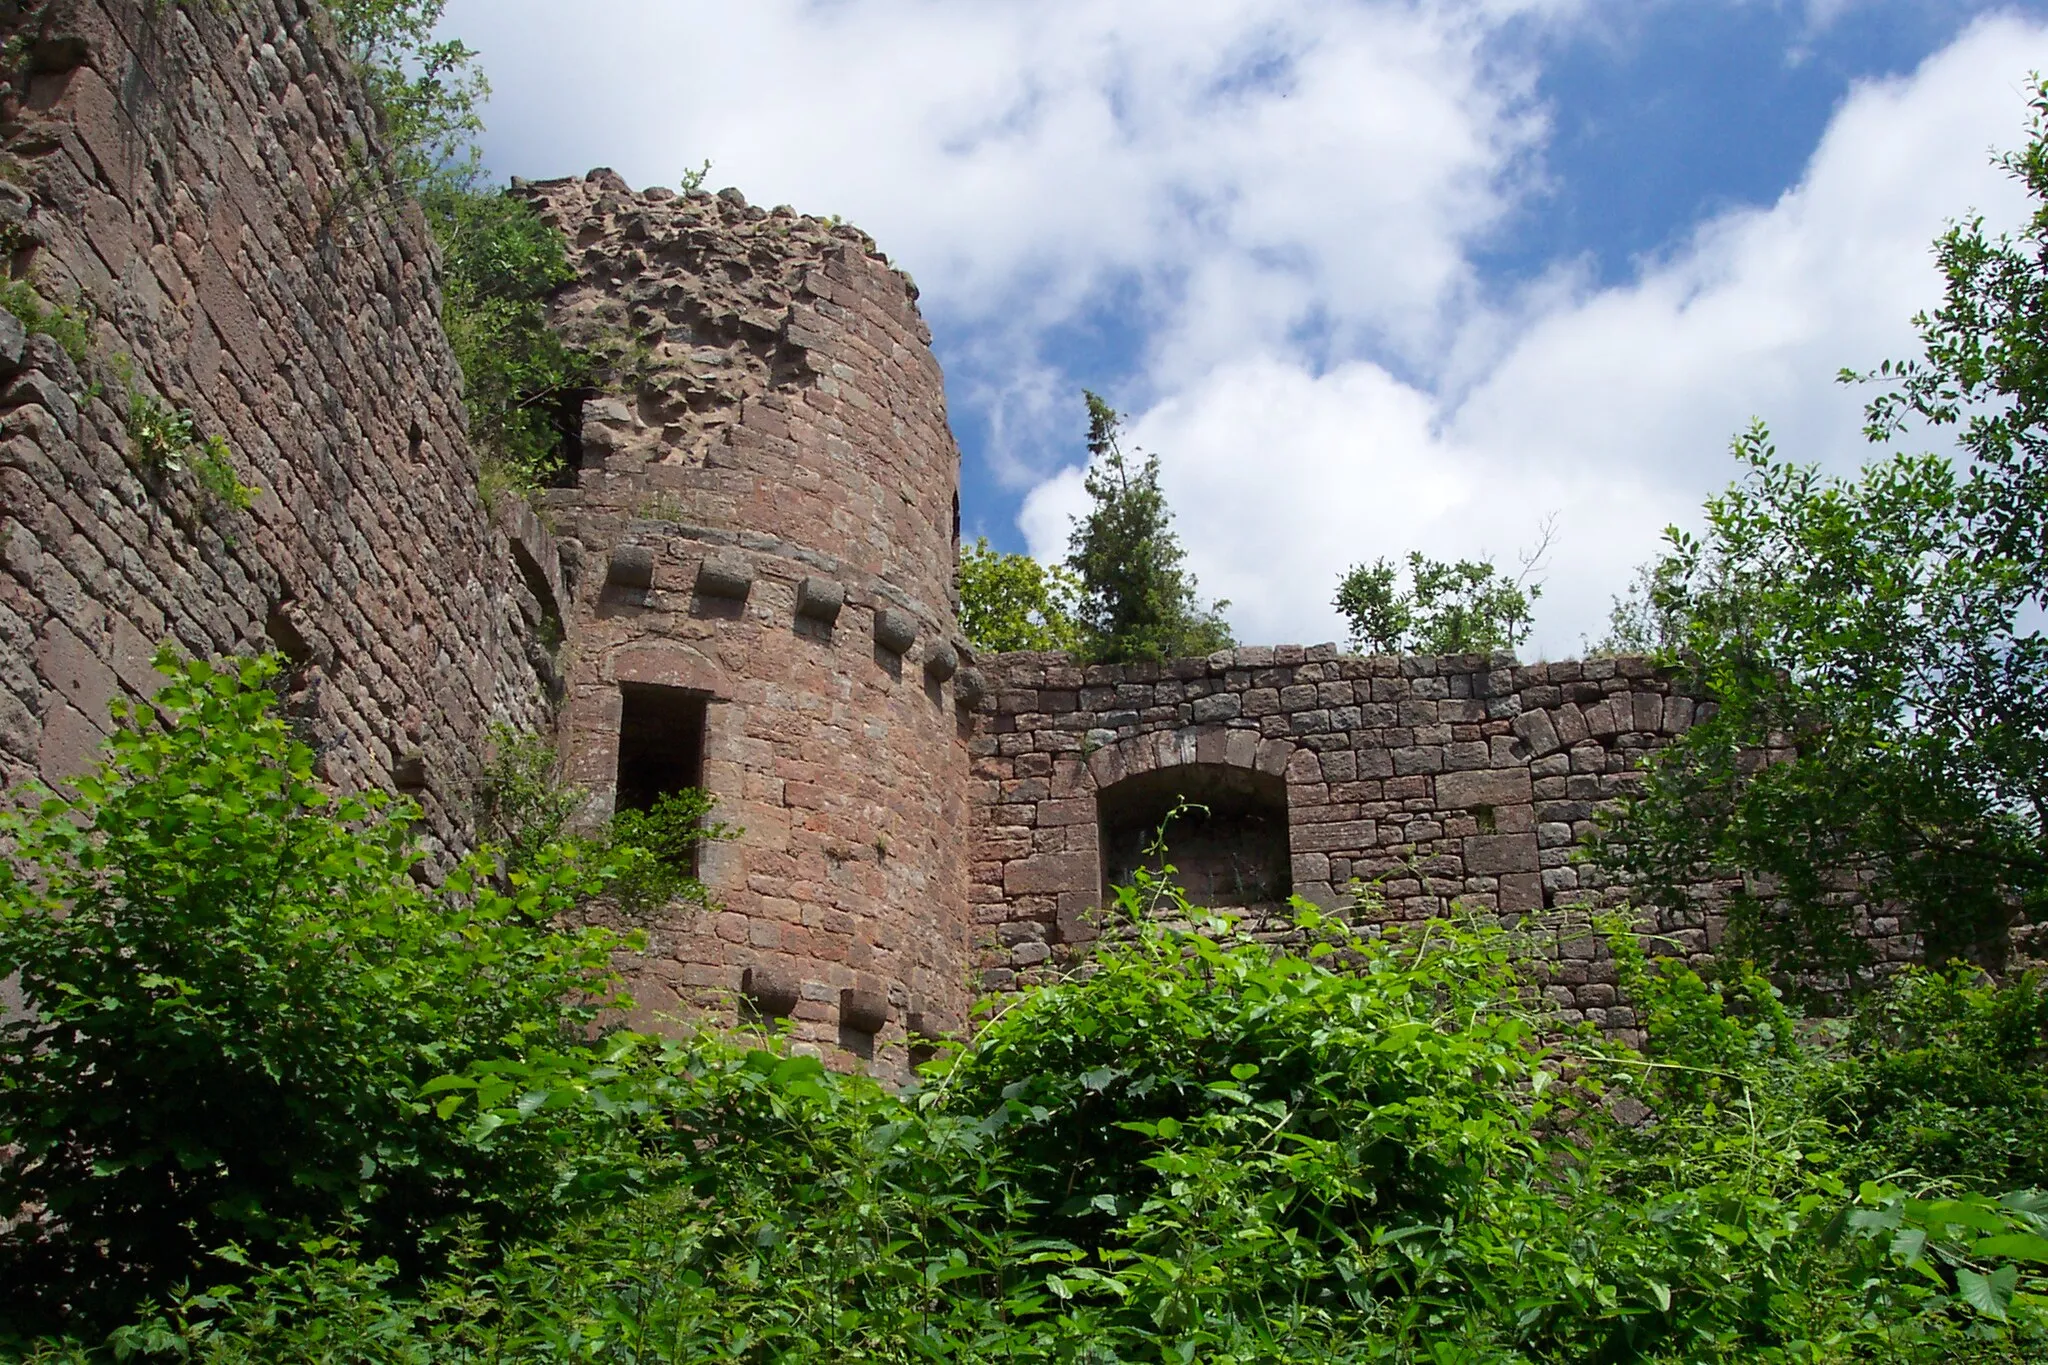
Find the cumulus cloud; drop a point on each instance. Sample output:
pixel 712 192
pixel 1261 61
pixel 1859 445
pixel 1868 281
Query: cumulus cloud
pixel 1259 219
pixel 1611 407
pixel 1196 171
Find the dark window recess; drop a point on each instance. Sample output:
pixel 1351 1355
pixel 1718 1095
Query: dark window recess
pixel 661 744
pixel 569 433
pixel 956 519
pixel 1231 855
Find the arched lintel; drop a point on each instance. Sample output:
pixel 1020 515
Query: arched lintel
pixel 1226 746
pixel 666 663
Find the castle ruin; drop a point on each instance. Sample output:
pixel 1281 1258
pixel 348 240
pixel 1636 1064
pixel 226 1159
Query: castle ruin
pixel 747 585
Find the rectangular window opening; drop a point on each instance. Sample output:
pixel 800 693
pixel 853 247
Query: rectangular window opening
pixel 661 746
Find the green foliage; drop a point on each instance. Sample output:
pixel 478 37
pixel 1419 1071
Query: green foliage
pixel 1946 1078
pixel 234 986
pixel 501 264
pixel 1880 722
pixel 521 804
pixel 70 328
pixel 427 90
pixel 1877 639
pixel 1014 602
pixel 1469 607
pixel 1644 621
pixel 652 852
pixel 1353 1149
pixel 1137 602
pixel 169 441
pixel 527 814
pixel 1381 615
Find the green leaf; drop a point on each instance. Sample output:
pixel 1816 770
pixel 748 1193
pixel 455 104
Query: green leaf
pixel 2017 1246
pixel 1988 1294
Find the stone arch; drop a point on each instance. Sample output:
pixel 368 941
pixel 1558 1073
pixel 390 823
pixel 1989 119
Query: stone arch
pixel 1220 745
pixel 1232 850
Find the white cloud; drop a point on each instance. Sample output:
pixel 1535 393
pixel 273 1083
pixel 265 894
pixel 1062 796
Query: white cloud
pixel 1279 201
pixel 1612 407
pixel 1223 169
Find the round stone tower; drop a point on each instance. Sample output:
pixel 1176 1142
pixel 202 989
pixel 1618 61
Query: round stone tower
pixel 759 539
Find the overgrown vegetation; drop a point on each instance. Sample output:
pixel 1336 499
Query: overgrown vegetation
pixel 500 262
pixel 278 1102
pixel 235 989
pixel 1123 593
pixel 428 91
pixel 1877 640
pixel 526 812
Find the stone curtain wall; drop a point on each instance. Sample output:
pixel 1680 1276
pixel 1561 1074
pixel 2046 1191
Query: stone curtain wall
pixel 1461 779
pixel 764 520
pixel 182 175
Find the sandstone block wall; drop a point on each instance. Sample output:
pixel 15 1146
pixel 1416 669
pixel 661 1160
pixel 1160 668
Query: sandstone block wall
pixel 763 519
pixel 182 176
pixel 1462 779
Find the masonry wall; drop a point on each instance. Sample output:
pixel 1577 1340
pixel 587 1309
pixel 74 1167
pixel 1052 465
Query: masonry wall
pixel 763 517
pixel 182 175
pixel 1466 780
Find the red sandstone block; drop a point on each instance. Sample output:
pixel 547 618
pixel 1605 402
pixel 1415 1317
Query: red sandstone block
pixel 1051 873
pixel 1483 787
pixel 1349 836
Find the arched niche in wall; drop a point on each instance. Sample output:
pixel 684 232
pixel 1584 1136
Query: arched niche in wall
pixel 1224 829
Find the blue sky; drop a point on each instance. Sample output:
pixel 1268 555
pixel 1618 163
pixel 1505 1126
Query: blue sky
pixel 1370 275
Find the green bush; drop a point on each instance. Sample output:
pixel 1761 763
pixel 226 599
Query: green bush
pixel 1209 1149
pixel 525 810
pixel 234 987
pixel 375 1120
pixel 500 265
pixel 1946 1079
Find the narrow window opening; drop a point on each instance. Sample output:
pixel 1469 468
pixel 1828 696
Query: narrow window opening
pixel 661 748
pixel 569 434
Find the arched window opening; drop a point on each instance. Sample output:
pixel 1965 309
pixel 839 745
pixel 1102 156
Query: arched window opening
pixel 1228 848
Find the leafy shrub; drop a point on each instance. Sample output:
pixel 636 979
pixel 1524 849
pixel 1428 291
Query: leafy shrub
pixel 1392 1175
pixel 521 804
pixel 1946 1077
pixel 653 852
pixel 524 810
pixel 234 988
pixel 254 1032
